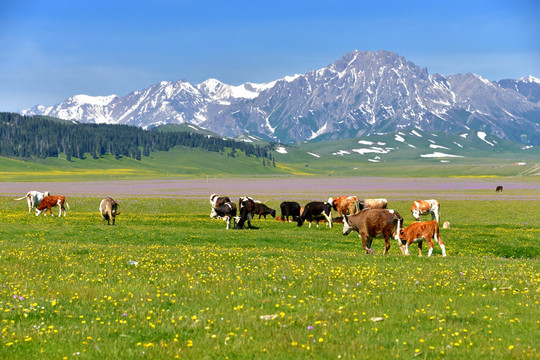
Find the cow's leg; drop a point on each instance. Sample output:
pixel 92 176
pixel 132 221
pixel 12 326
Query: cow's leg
pixel 386 244
pixel 441 244
pixel 366 243
pixel 429 241
pixel 329 219
pixel 420 248
pixel 228 221
pixel 407 247
pixel 249 220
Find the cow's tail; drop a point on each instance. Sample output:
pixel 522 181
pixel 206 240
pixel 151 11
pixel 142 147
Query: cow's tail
pixel 21 198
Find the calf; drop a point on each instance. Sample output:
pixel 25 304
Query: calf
pixel 109 209
pixel 263 210
pixel 424 207
pixel 371 223
pixel 33 198
pixel 349 205
pixel 51 201
pixel 418 232
pixel 314 210
pixel 227 212
pixel 215 201
pixel 373 204
pixel 289 208
pixel 247 207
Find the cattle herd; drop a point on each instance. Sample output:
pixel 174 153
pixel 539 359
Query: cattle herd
pixel 41 201
pixel 370 218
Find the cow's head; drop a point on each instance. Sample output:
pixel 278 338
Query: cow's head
pixel 273 213
pixel 346 227
pixel 299 220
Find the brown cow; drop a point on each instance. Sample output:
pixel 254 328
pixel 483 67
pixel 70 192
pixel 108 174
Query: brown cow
pixel 346 205
pixel 373 204
pixel 371 223
pixel 499 188
pixel 51 201
pixel 424 207
pixel 109 210
pixel 418 232
pixel 263 210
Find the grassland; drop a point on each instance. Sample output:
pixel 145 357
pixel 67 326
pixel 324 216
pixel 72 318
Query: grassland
pixel 169 282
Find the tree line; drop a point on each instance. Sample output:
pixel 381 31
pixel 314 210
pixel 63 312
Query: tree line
pixel 42 137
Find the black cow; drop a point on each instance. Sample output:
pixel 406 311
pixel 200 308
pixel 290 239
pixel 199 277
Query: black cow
pixel 263 210
pixel 227 211
pixel 247 207
pixel 315 210
pixel 289 208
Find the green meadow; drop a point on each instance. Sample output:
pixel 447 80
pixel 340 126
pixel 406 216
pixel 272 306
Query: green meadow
pixel 169 282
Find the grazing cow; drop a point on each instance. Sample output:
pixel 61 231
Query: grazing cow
pixel 109 210
pixel 446 225
pixel 349 205
pixel 227 211
pixel 418 232
pixel 263 210
pixel 51 201
pixel 246 207
pixel 373 204
pixel 33 198
pixel 499 188
pixel 215 201
pixel 314 210
pixel 289 208
pixel 424 207
pixel 371 223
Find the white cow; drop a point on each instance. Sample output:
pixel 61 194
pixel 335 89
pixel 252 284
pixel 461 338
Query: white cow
pixel 33 198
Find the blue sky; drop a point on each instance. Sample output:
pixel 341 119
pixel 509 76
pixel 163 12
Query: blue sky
pixel 51 50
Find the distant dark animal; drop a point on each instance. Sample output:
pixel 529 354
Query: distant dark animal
pixel 373 204
pixel 109 210
pixel 499 188
pixel 418 232
pixel 33 198
pixel 349 205
pixel 371 223
pixel 215 201
pixel 246 207
pixel 227 212
pixel 315 210
pixel 51 201
pixel 289 208
pixel 263 210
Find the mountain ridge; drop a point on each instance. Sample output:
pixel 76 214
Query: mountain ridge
pixel 362 93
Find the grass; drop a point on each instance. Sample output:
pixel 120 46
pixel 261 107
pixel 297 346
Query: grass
pixel 167 281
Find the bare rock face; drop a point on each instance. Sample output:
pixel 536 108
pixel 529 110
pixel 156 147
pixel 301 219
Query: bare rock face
pixel 362 93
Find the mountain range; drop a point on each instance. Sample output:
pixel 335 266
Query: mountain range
pixel 362 93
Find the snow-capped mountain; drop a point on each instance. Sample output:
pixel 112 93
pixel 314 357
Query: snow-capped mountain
pixel 362 93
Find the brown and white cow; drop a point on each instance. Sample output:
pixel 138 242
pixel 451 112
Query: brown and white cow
pixel 216 201
pixel 418 232
pixel 289 208
pixel 373 204
pixel 51 201
pixel 108 208
pixel 349 205
pixel 316 210
pixel 227 211
pixel 424 207
pixel 372 223
pixel 33 198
